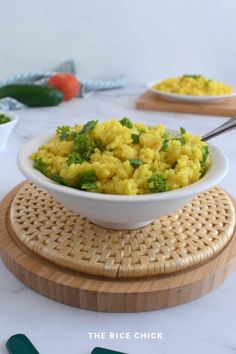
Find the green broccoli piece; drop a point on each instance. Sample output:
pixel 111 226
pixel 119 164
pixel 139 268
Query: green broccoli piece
pixel 165 142
pixel 86 177
pixel 182 136
pixel 135 162
pixel 84 147
pixel 157 183
pixel 40 165
pixel 4 119
pixel 63 132
pixel 74 157
pixel 99 144
pixel 59 180
pixel 126 123
pixel 205 154
pixel 196 77
pixel 88 127
pixel 89 186
pixel 135 138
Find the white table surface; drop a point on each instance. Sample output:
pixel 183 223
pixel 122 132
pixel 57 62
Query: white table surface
pixel 206 325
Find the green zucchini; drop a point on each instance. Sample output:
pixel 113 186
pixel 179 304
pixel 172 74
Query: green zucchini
pixel 32 95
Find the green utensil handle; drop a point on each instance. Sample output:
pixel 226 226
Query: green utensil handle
pixel 20 344
pixel 99 350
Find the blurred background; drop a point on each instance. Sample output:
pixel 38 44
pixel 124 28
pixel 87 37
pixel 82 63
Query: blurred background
pixel 145 40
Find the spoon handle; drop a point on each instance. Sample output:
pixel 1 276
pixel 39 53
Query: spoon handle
pixel 230 124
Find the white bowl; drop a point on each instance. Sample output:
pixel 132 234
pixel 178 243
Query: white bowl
pixel 7 128
pixel 176 97
pixel 120 211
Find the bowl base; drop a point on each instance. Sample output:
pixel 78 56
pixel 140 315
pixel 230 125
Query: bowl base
pixel 120 226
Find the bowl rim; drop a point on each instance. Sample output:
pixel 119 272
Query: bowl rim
pixel 213 176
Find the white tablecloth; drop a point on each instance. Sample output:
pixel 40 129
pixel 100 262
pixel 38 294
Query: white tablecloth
pixel 206 325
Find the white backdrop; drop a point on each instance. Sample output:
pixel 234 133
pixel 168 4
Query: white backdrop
pixel 144 39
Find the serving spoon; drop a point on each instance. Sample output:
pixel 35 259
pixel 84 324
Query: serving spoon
pixel 230 124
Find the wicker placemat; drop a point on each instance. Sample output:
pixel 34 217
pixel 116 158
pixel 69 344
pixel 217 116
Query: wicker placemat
pixel 183 239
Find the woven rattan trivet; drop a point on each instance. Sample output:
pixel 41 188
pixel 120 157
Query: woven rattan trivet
pixel 110 294
pixel 180 240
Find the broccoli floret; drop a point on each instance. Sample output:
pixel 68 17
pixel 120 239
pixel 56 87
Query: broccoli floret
pixel 205 155
pixel 135 138
pixel 74 157
pixel 59 180
pixel 135 162
pixel 63 132
pixel 182 136
pixel 4 119
pixel 126 123
pixel 196 77
pixel 84 147
pixel 88 127
pixel 89 186
pixel 99 144
pixel 40 165
pixel 157 183
pixel 86 180
pixel 165 142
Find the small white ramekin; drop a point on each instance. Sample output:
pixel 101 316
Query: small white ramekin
pixel 7 128
pixel 121 211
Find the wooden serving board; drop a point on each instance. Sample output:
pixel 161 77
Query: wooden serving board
pixel 105 294
pixel 150 101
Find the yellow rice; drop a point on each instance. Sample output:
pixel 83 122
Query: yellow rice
pixel 180 162
pixel 195 85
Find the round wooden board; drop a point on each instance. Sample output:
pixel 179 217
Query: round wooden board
pixel 104 294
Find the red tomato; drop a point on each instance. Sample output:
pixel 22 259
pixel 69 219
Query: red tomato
pixel 67 84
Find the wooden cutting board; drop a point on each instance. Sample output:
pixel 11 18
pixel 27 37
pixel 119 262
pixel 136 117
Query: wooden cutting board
pixel 150 101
